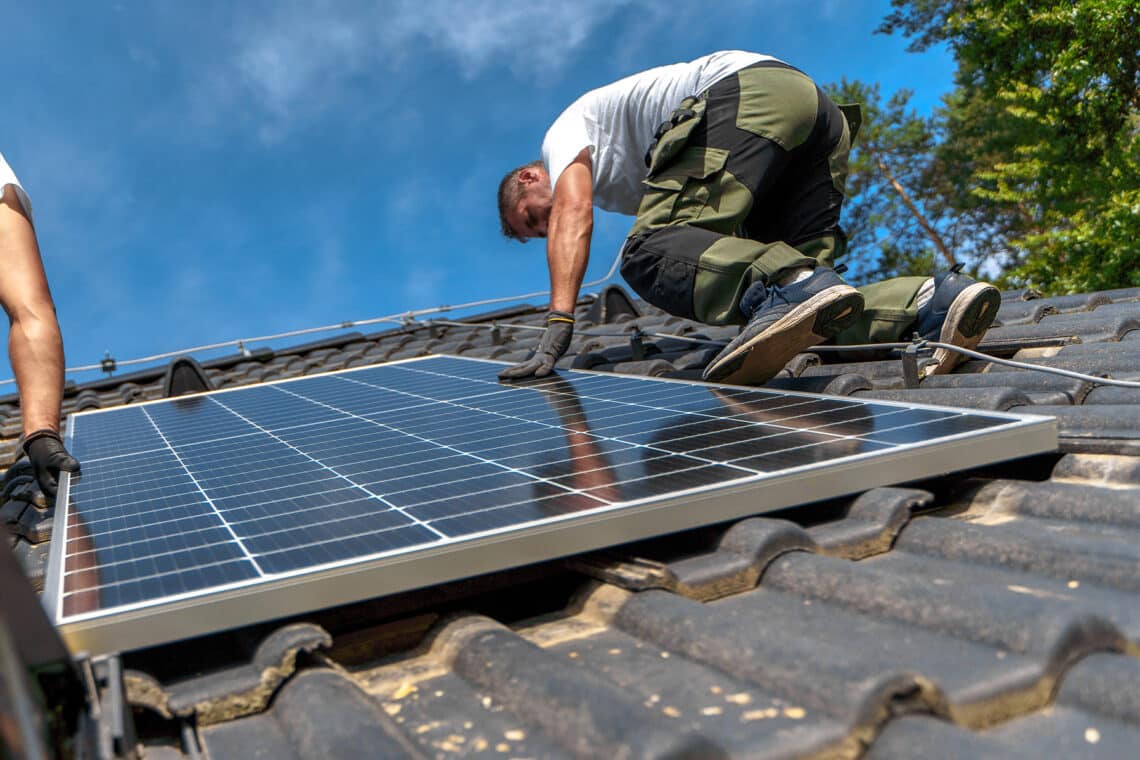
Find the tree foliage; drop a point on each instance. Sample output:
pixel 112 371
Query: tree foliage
pixel 1040 140
pixel 888 214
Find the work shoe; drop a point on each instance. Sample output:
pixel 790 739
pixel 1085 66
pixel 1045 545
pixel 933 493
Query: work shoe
pixel 790 319
pixel 959 313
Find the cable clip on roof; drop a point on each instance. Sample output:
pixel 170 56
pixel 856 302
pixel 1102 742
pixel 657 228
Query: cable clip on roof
pixel 911 371
pixel 636 344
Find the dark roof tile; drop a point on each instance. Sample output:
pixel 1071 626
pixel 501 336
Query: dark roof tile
pixel 871 523
pixel 232 692
pixel 908 737
pixel 1099 350
pixel 1075 302
pixel 1095 716
pixel 35 523
pixel 695 359
pixel 1075 498
pixel 406 353
pixel 885 368
pixel 1095 469
pixel 447 715
pixel 33 559
pixel 1107 323
pixel 845 384
pixel 1105 685
pixel 1094 428
pixel 317 714
pixel 1033 546
pixel 1025 294
pixel 799 651
pixel 647 368
pixel 580 709
pixel 1113 395
pixel 1025 312
pixel 1027 382
pixel 1011 612
pixel 994 399
pixel 1101 363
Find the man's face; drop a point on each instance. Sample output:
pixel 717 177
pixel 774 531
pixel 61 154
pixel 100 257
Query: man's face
pixel 531 214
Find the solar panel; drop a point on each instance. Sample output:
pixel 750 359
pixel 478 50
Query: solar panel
pixel 206 512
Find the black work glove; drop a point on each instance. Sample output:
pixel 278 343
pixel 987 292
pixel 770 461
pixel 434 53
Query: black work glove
pixel 47 454
pixel 555 341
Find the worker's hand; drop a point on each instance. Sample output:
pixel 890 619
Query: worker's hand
pixel 555 341
pixel 48 456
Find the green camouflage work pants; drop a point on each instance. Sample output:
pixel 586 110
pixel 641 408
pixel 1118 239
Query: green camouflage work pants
pixel 745 183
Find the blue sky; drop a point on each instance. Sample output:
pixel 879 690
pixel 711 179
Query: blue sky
pixel 217 170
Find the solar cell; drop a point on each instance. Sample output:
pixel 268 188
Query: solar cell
pixel 210 511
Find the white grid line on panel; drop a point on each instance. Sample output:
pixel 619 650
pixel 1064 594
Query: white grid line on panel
pixel 435 443
pixel 473 512
pixel 604 399
pixel 189 532
pixel 617 438
pixel 822 429
pixel 205 496
pixel 179 510
pixel 548 426
pixel 203 442
pixel 141 578
pixel 321 464
pixel 794 401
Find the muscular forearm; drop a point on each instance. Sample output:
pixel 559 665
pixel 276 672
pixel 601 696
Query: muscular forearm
pixel 36 352
pixel 568 253
pixel 568 235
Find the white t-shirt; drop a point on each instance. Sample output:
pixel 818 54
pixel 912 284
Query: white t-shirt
pixel 8 177
pixel 617 122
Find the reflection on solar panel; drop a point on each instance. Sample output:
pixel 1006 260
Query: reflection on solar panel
pixel 211 511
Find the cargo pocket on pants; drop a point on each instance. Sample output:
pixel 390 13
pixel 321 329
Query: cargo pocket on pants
pixel 672 135
pixel 683 191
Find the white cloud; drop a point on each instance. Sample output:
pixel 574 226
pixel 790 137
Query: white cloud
pixel 542 35
pixel 292 60
pixel 287 62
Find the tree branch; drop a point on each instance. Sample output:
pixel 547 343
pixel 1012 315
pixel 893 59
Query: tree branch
pixel 930 231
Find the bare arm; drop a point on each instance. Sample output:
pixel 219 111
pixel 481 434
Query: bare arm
pixel 34 343
pixel 569 232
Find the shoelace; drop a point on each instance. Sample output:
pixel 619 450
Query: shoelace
pixel 774 292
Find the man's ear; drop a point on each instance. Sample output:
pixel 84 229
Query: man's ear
pixel 529 175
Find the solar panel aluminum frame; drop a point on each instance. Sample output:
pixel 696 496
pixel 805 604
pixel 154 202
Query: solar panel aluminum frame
pixel 356 579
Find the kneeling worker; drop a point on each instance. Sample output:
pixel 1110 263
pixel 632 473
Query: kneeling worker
pixel 734 165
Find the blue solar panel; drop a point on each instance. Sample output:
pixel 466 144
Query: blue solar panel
pixel 184 501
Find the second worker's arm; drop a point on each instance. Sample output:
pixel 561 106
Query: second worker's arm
pixel 34 343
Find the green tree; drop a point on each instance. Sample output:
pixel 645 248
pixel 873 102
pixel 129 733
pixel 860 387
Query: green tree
pixel 1041 137
pixel 894 226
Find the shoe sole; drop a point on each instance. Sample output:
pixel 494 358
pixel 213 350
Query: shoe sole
pixel 820 318
pixel 967 320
